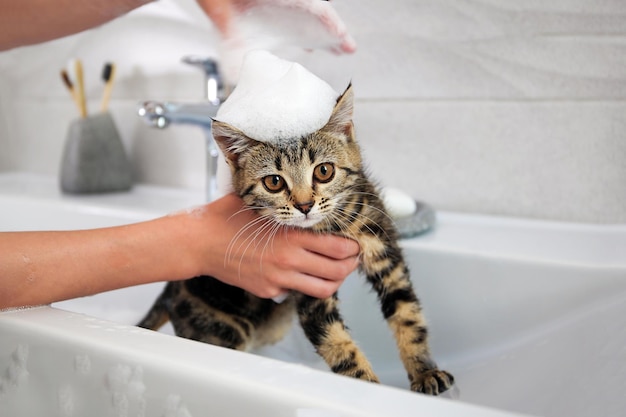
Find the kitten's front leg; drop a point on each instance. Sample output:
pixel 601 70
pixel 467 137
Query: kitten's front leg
pixel 324 327
pixel 409 327
pixel 388 273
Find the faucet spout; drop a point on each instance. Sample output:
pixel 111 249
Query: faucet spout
pixel 162 114
pixel 214 87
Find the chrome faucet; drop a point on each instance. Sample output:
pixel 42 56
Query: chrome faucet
pixel 162 114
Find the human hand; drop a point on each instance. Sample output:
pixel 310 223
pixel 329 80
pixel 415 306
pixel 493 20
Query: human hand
pixel 246 25
pixel 279 15
pixel 245 251
pixel 219 11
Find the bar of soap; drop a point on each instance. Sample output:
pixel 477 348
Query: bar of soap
pixel 398 203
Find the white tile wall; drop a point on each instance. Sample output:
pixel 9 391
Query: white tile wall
pixel 492 106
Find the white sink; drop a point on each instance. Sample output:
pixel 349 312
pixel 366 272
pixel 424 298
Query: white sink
pixel 529 316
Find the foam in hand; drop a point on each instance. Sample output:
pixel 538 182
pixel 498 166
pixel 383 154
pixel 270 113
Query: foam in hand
pixel 276 24
pixel 277 100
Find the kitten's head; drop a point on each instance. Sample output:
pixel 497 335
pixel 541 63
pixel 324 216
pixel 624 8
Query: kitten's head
pixel 299 182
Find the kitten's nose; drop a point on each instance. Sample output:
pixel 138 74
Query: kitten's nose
pixel 304 207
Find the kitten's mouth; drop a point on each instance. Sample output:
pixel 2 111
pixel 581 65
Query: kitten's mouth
pixel 308 222
pixel 304 221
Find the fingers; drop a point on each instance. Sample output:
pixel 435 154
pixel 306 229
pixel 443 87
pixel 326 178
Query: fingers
pixel 290 266
pixel 306 284
pixel 267 262
pixel 303 271
pixel 319 24
pixel 315 287
pixel 331 246
pixel 325 256
pixel 336 27
pixel 330 21
pixel 220 12
pixel 315 265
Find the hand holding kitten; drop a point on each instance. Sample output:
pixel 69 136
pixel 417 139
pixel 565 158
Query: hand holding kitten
pixel 293 259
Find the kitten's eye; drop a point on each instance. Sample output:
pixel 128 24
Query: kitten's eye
pixel 324 172
pixel 274 183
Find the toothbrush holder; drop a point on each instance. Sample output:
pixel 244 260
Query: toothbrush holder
pixel 94 160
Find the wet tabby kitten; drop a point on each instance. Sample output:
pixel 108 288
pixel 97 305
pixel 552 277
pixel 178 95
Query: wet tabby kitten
pixel 317 182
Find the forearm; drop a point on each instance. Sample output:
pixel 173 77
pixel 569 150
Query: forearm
pixel 26 22
pixel 43 267
pixel 220 239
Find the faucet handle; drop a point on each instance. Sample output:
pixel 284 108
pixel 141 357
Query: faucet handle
pixel 154 113
pixel 214 87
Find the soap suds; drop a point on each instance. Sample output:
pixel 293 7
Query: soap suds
pixel 30 268
pixel 276 24
pixel 277 100
pixel 197 211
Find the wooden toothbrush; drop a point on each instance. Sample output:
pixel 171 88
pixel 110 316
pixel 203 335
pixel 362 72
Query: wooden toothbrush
pixel 68 84
pixel 108 76
pixel 80 82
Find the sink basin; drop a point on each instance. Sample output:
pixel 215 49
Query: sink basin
pixel 528 315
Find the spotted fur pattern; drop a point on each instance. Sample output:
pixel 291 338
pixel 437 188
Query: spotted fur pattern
pixel 317 182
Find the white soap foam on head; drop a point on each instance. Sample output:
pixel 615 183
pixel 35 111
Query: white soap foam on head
pixel 277 100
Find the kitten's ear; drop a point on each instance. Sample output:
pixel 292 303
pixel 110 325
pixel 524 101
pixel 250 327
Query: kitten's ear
pixel 232 141
pixel 341 118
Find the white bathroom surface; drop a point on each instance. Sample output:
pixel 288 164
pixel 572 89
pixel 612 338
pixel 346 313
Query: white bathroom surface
pixel 35 202
pixel 529 316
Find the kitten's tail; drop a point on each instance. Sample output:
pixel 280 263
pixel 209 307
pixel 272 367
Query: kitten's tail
pixel 157 316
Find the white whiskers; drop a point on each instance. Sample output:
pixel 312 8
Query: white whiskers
pixel 257 234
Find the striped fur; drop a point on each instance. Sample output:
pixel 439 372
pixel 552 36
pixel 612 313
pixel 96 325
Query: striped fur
pixel 317 182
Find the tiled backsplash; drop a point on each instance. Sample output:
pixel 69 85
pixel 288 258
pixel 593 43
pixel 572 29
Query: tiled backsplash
pixel 490 106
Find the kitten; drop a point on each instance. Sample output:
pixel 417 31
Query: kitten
pixel 317 182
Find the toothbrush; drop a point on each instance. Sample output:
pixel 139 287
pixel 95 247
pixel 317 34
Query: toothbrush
pixel 68 83
pixel 82 104
pixel 108 76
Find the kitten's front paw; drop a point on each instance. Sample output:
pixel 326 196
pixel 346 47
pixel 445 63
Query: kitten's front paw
pixel 432 382
pixel 366 376
pixel 362 373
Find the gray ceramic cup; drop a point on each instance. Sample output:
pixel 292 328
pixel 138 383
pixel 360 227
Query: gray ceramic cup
pixel 94 160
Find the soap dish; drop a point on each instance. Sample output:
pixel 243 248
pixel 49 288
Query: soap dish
pixel 421 221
